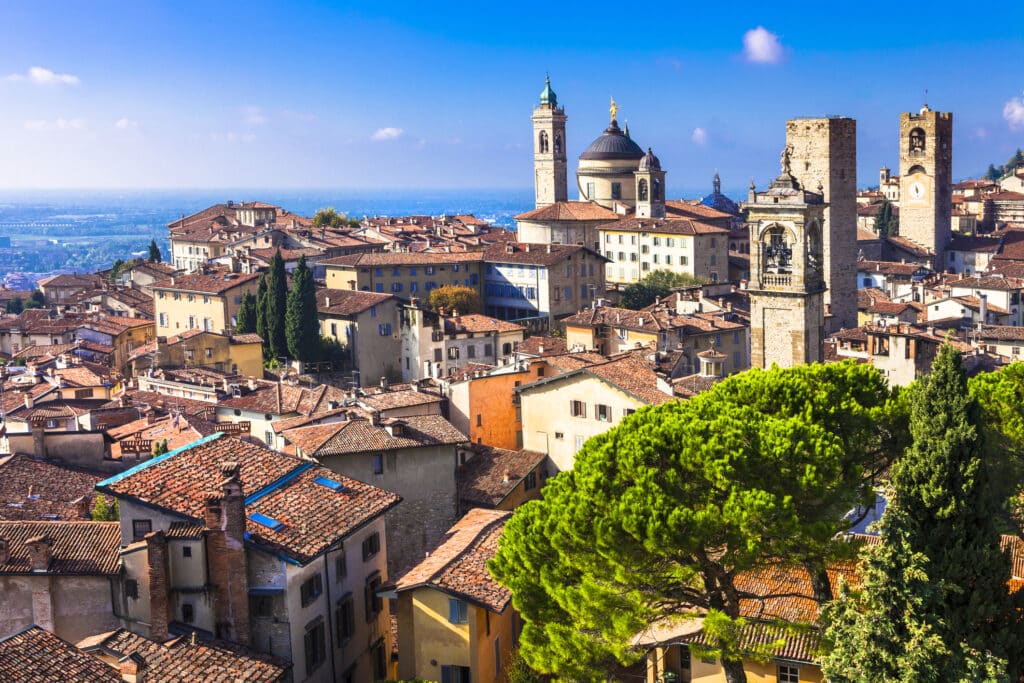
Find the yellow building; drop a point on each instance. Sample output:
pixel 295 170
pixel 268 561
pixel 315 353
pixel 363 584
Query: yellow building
pixel 455 622
pixel 240 354
pixel 207 300
pixel 407 275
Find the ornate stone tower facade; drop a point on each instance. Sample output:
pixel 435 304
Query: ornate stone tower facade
pixel 824 155
pixel 926 178
pixel 787 273
pixel 549 165
pixel 650 187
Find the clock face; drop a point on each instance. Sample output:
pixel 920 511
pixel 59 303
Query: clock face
pixel 917 190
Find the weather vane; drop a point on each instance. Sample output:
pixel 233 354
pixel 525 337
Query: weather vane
pixel 614 109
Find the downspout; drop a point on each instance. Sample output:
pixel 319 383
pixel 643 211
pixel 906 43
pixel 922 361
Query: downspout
pixel 330 619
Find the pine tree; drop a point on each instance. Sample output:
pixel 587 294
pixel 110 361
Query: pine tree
pixel 247 315
pixel 154 252
pixel 302 327
pixel 261 315
pixel 935 602
pixel 277 306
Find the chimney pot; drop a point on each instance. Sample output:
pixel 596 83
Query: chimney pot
pixel 40 551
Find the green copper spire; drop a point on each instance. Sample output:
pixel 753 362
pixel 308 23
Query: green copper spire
pixel 548 95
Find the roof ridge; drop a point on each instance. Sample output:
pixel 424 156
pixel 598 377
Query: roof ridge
pixel 159 458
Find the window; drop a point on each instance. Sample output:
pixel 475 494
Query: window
pixel 141 527
pixel 429 270
pixel 626 412
pixel 209 352
pixel 396 286
pixel 531 481
pixel 603 413
pixel 559 435
pixel 334 329
pixel 577 408
pixel 374 604
pixel 670 242
pixel 458 611
pixel 380 287
pixel 616 190
pixel 378 272
pixel 568 293
pixel 788 674
pixel 261 606
pixel 384 330
pixel 188 613
pixel 591 192
pixel 315 645
pixel 163 320
pixel 414 286
pixel 186 551
pixel 641 191
pixel 471 351
pixel 373 311
pixel 454 674
pixel 378 463
pixel 487 350
pixel 668 259
pixel 579 442
pixel 453 353
pixel 311 589
pixel 131 589
pixel 345 619
pixel 340 567
pixel 371 545
pixel 191 322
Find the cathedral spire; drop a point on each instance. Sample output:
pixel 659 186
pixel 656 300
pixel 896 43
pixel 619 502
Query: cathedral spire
pixel 717 183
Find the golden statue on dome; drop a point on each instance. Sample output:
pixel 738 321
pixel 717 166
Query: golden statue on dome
pixel 614 110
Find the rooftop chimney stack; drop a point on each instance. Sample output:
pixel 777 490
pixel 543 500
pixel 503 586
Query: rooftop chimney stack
pixel 132 668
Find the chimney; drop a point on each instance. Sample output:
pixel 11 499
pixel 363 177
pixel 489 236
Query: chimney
pixel 38 439
pixel 132 668
pixel 549 248
pixel 327 302
pixel 81 505
pixel 984 308
pixel 384 383
pixel 526 247
pixel 5 553
pixel 40 552
pixel 251 384
pixel 505 477
pixel 228 559
pixel 212 511
pixel 29 402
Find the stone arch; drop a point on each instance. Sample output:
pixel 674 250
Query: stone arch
pixel 776 242
pixel 558 143
pixel 813 249
pixel 641 190
pixel 657 192
pixel 542 142
pixel 916 169
pixel 916 140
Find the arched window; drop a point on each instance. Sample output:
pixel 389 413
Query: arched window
pixel 656 194
pixel 814 248
pixel 778 252
pixel 543 142
pixel 558 143
pixel 641 191
pixel 917 140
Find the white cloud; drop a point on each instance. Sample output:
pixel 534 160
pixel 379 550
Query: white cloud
pixel 980 133
pixel 699 136
pixel 388 133
pixel 1013 112
pixel 253 116
pixel 762 46
pixel 125 124
pixel 58 124
pixel 43 76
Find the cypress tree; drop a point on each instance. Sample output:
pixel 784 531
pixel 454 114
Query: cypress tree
pixel 247 315
pixel 15 305
pixel 277 306
pixel 261 314
pixel 935 601
pixel 301 325
pixel 154 252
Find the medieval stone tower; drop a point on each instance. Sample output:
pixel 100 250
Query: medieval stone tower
pixel 824 154
pixel 926 177
pixel 549 165
pixel 787 273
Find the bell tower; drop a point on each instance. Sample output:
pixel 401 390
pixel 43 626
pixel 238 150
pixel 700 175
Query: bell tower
pixel 787 274
pixel 549 164
pixel 650 187
pixel 926 177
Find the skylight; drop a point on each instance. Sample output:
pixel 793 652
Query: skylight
pixel 332 485
pixel 268 522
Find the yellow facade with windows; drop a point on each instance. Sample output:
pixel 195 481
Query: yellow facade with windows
pixel 177 308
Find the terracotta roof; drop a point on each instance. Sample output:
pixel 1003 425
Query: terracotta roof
pixel 892 307
pixel 38 656
pixel 78 547
pixel 656 318
pixel 398 396
pixel 277 398
pixel 974 303
pixel 866 296
pixel 691 385
pixel 698 211
pixel 539 345
pixel 567 362
pixel 493 473
pixel 246 338
pixel 155 399
pixel 535 254
pixel 668 226
pixel 1005 284
pixel 458 566
pixel 347 301
pixel 181 659
pixel 31 488
pixel 359 435
pixel 569 211
pixel 632 375
pixel 1000 333
pixel 291 491
pixel 401 258
pixel 214 282
pixel 887 268
pixel 976 244
pixel 72 280
pixel 476 323
pixel 178 432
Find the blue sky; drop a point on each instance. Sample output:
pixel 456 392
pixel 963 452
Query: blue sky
pixel 438 95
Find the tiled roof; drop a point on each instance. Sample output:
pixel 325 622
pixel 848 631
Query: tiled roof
pixel 38 656
pixel 695 210
pixel 569 211
pixel 30 489
pixel 246 338
pixel 216 281
pixel 398 396
pixel 887 268
pixel 1000 333
pixel 360 436
pixel 566 362
pixel 78 547
pixel 474 322
pixel 869 295
pixel 539 345
pixel 976 244
pixel 183 659
pixel 665 226
pixel 160 401
pixel 277 398
pixel 490 475
pixel 535 254
pixel 1005 284
pixel 72 280
pixel 347 301
pixel 401 258
pixel 632 375
pixel 177 432
pixel 657 318
pixel 691 385
pixel 312 515
pixel 458 566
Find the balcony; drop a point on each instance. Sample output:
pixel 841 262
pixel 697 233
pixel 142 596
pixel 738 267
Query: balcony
pixel 769 280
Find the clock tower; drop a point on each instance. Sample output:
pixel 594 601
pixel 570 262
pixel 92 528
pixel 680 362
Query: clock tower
pixel 787 272
pixel 926 180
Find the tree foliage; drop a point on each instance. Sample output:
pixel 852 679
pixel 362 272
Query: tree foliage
pixel 105 511
pixel 276 304
pixel 935 602
pixel 154 252
pixel 302 327
pixel 454 298
pixel 160 447
pixel 36 300
pixel 329 218
pixel 115 270
pixel 887 223
pixel 15 305
pixel 261 314
pixel 655 285
pixel 245 322
pixel 661 513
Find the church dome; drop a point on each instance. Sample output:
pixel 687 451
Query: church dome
pixel 613 145
pixel 650 162
pixel 547 96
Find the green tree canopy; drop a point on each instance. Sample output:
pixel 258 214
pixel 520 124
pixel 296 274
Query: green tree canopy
pixel 886 222
pixel 15 305
pixel 655 285
pixel 454 298
pixel 661 513
pixel 105 511
pixel 329 218
pixel 276 307
pixel 36 300
pixel 261 314
pixel 935 602
pixel 154 252
pixel 247 314
pixel 115 270
pixel 302 327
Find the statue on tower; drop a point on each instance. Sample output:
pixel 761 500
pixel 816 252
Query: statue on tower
pixel 787 152
pixel 614 110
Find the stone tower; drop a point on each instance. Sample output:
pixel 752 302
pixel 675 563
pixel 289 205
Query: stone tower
pixel 787 276
pixel 926 177
pixel 650 187
pixel 824 155
pixel 549 165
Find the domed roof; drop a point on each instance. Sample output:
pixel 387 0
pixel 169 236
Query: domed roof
pixel 650 162
pixel 717 200
pixel 612 145
pixel 548 96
